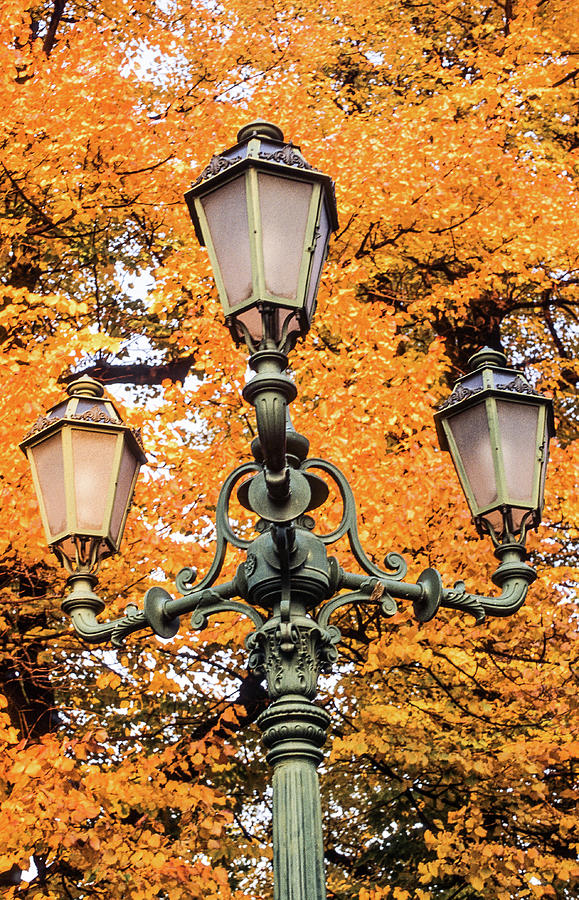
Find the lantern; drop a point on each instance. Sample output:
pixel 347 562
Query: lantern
pixel 497 429
pixel 266 217
pixel 85 463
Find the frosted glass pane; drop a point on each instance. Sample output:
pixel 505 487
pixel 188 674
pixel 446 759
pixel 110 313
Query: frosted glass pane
pixel 518 439
pixel 495 520
pixel 471 432
pixel 47 459
pixel 472 382
pixel 226 213
pixel 252 320
pixel 284 206
pixel 93 455
pixel 503 379
pixel 318 260
pixel 123 495
pixel 69 546
pixel 518 516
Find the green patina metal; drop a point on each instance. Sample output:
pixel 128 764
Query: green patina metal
pixel 288 585
pixel 290 588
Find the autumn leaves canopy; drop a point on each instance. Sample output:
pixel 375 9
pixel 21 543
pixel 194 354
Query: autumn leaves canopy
pixel 450 129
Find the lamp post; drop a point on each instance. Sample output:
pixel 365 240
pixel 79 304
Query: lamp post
pixel 266 217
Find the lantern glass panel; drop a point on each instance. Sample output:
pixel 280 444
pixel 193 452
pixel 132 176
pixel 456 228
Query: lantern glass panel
pixel 318 259
pixel 226 213
pixel 79 551
pixel 284 205
pixel 470 430
pixel 503 379
pixel 518 438
pixel 93 455
pixel 496 519
pixel 48 460
pixel 128 466
pixel 252 319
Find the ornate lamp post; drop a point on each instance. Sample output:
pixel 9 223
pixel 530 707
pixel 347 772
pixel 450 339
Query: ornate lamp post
pixel 266 218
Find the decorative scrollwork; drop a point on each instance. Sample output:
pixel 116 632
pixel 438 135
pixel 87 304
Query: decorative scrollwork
pixel 224 534
pixel 460 393
pixel 370 590
pixel 133 620
pixel 348 526
pixel 327 648
pixel 289 157
pixel 521 386
pixel 459 598
pixel 216 165
pixel 291 659
pixel 185 580
pixel 200 616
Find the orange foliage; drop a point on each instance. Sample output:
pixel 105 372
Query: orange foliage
pixel 451 131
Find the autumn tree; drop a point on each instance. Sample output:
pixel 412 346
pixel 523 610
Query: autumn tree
pixel 451 131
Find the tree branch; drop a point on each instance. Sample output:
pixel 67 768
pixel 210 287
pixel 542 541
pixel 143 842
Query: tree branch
pixel 139 373
pixel 50 39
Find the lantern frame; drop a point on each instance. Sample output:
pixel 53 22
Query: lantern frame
pixel 78 546
pixel 261 150
pixel 490 381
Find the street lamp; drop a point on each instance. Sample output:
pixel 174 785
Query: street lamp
pixel 266 217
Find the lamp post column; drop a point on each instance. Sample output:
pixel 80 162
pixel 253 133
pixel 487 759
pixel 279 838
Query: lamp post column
pixel 294 731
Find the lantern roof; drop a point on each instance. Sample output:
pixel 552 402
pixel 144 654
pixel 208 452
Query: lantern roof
pixel 86 405
pixel 489 375
pixel 260 144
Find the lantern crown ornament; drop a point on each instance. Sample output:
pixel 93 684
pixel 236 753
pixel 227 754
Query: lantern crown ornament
pixel 497 429
pixel 85 463
pixel 265 216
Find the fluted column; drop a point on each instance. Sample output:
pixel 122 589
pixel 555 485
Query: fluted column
pixel 294 730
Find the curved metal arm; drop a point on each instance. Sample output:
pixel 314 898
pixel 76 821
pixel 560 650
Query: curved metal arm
pixel 225 534
pixel 200 616
pixel 425 594
pixel 349 525
pixel 388 604
pixel 160 613
pixel 83 606
pixel 513 576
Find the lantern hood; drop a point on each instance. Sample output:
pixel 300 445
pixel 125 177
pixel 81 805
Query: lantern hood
pixel 86 404
pixel 263 143
pixel 488 370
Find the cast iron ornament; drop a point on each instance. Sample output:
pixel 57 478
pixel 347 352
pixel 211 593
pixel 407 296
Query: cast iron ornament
pixel 288 585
